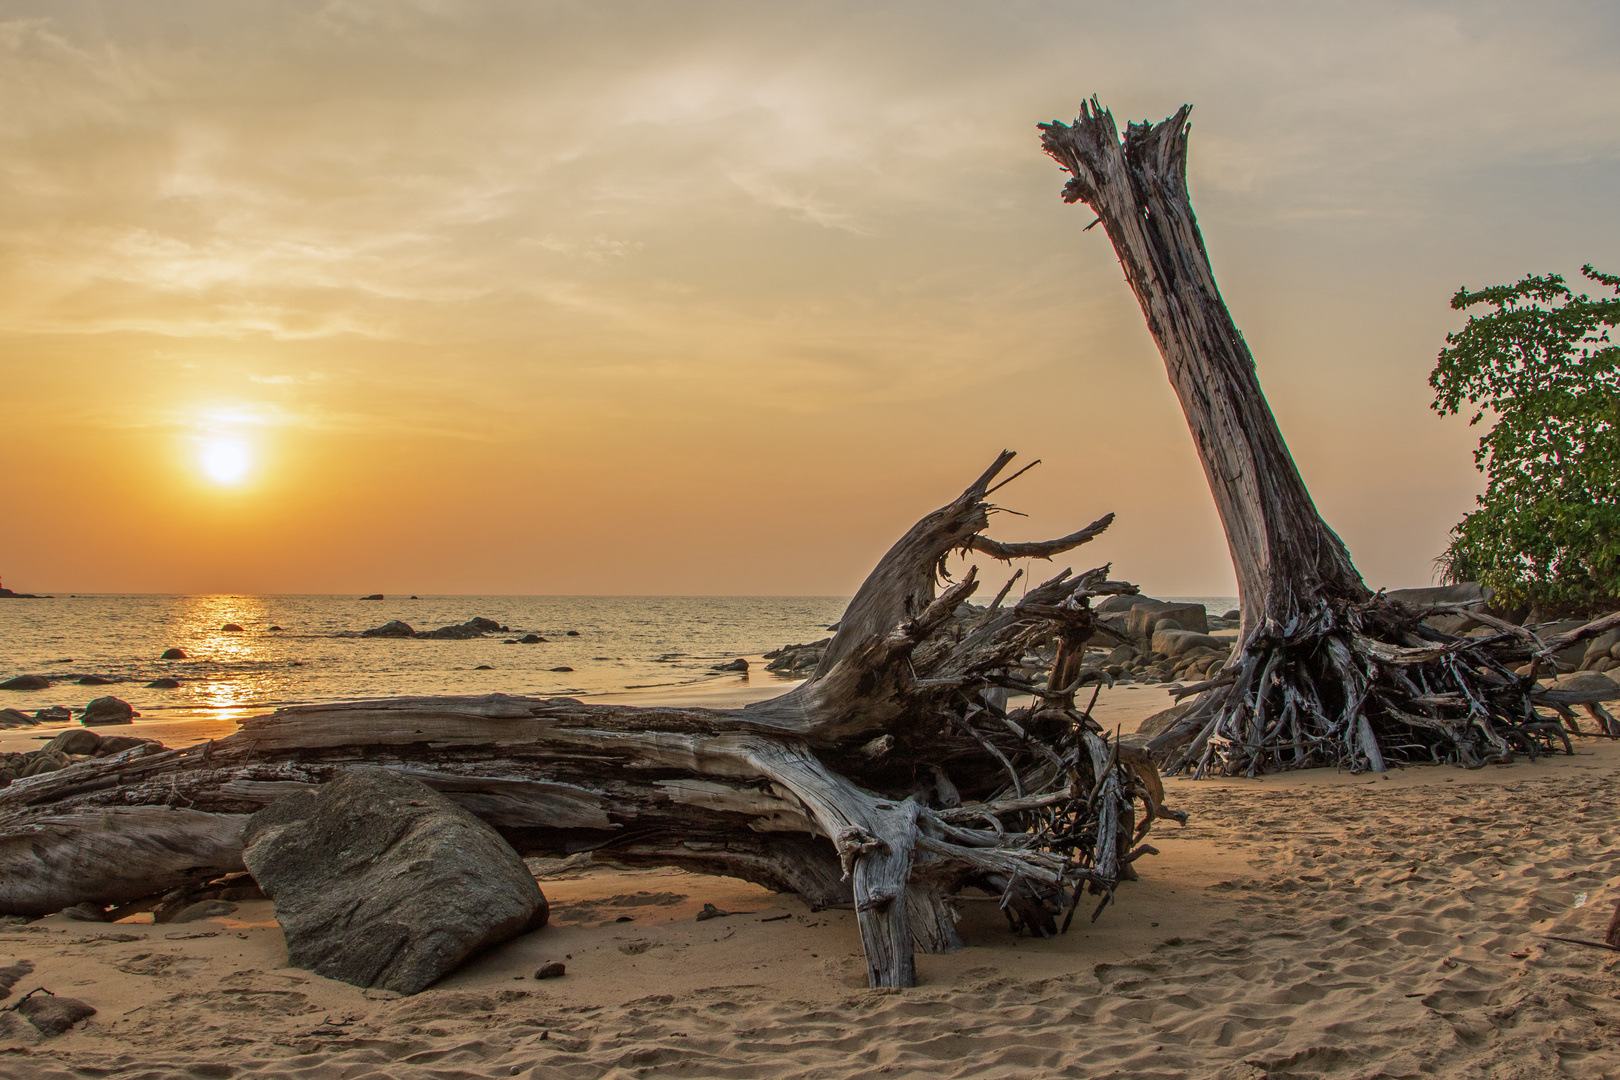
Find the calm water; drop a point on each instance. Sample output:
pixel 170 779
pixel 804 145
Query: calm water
pixel 624 642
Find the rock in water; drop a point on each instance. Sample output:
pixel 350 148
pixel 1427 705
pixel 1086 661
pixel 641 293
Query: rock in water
pixel 233 628
pixel 107 710
pixel 390 629
pixel 380 881
pixel 10 718
pixel 26 682
pixel 173 654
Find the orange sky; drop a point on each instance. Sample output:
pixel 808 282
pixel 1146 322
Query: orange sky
pixel 719 298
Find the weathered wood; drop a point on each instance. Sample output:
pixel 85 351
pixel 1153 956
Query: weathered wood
pixel 1326 672
pixel 891 779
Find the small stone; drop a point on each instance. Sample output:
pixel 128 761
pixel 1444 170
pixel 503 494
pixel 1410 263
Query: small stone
pixel 173 654
pixel 232 628
pixel 95 680
pixel 573 633
pixel 565 668
pixel 275 629
pixel 738 664
pixel 374 596
pixel 484 667
pixel 164 683
pixel 531 639
pixel 711 912
pixel 553 970
pixel 54 714
pixel 85 913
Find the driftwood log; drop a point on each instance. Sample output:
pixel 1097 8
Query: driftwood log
pixel 1327 672
pixel 891 779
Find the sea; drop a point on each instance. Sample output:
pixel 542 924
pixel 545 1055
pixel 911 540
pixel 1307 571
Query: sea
pixel 595 647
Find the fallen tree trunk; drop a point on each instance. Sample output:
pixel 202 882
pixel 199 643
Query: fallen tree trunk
pixel 891 779
pixel 1326 672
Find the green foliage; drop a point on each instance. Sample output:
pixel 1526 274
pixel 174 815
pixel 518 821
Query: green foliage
pixel 1540 362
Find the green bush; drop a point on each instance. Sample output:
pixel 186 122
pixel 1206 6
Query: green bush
pixel 1539 363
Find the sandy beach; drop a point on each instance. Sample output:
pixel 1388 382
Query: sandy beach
pixel 1308 925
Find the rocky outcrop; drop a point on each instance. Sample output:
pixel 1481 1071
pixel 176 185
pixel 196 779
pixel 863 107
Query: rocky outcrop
pixel 475 627
pixel 107 710
pixel 379 881
pixel 796 659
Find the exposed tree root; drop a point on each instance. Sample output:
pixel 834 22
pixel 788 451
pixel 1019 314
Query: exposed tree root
pixel 892 779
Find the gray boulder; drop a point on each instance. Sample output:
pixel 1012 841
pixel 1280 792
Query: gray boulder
pixel 10 718
pixel 108 710
pixel 1464 593
pixel 1174 643
pixel 1145 617
pixel 380 881
pixel 1601 648
pixel 74 741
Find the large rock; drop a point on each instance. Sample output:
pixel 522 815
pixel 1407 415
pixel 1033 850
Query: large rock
pixel 1601 648
pixel 475 627
pixel 108 710
pixel 26 682
pixel 10 718
pixel 1568 659
pixel 74 741
pixel 1174 643
pixel 1465 593
pixel 1144 618
pixel 391 629
pixel 380 881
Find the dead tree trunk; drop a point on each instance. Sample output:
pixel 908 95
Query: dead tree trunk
pixel 889 780
pixel 1326 672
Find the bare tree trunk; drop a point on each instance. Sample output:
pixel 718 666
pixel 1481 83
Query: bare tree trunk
pixel 1326 672
pixel 887 780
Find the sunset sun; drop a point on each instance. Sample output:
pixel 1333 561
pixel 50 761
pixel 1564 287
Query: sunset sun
pixel 225 461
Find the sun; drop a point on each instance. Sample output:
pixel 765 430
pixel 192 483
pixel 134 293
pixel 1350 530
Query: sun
pixel 226 461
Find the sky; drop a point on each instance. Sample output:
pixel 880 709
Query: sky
pixel 703 298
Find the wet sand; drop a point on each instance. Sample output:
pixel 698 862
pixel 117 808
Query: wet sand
pixel 1309 925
